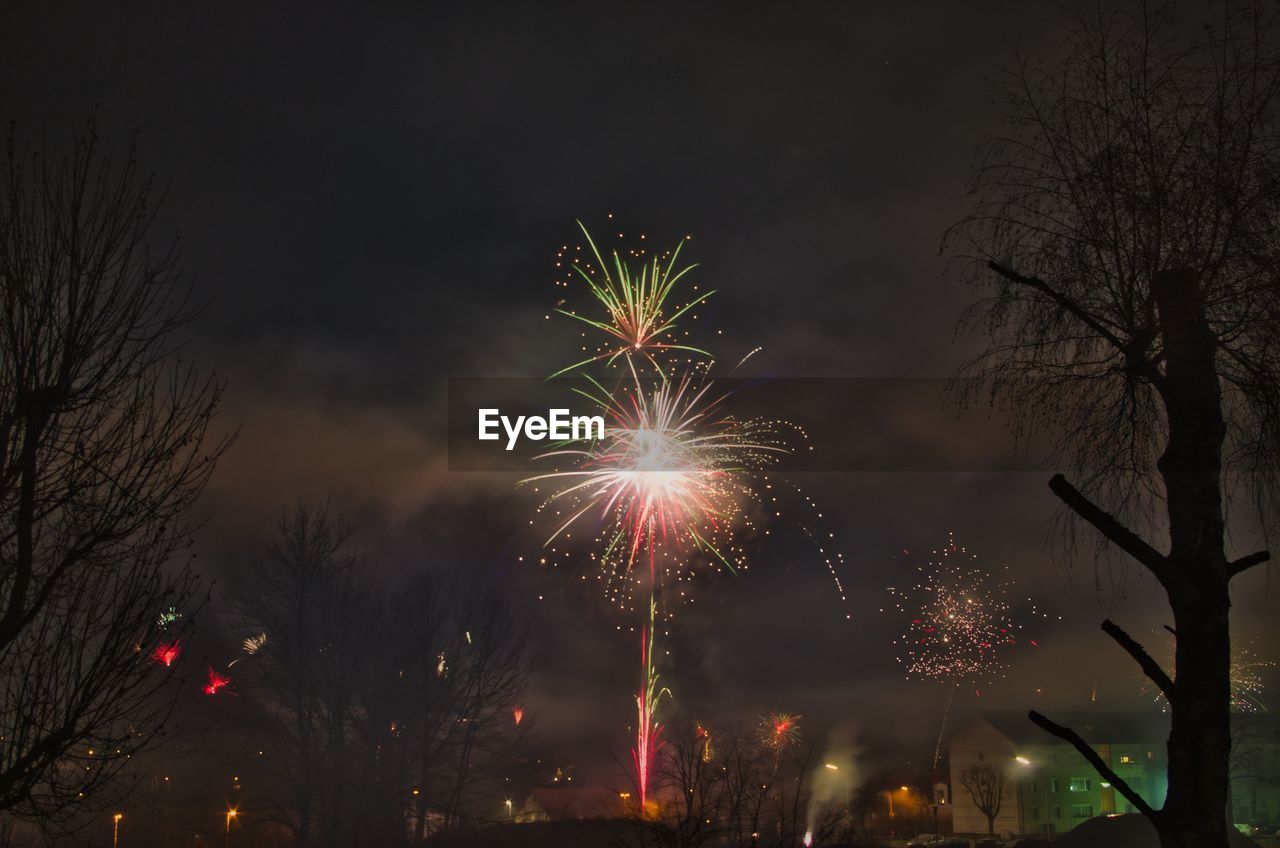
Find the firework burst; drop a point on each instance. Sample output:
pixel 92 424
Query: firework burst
pixel 1248 677
pixel 959 620
pixel 641 319
pixel 778 731
pixel 165 653
pixel 670 485
pixel 217 682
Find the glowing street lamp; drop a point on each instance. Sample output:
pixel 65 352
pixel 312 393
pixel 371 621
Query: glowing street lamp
pixel 115 829
pixel 232 812
pixel 508 803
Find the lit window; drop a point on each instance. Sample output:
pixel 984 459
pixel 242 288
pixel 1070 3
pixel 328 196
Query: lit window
pixel 1053 784
pixel 1081 784
pixel 1126 759
pixel 1081 811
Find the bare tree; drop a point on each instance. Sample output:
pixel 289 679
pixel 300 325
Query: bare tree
pixel 1125 222
pixel 308 596
pixel 986 787
pixel 104 446
pixel 490 671
pixel 387 709
pixel 695 789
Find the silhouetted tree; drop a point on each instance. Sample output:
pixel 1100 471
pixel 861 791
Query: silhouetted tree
pixel 309 595
pixel 104 446
pixel 985 786
pixel 1125 220
pixel 387 709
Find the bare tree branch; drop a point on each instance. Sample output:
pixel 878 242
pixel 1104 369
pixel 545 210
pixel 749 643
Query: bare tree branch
pixel 1076 741
pixel 1149 666
pixel 1121 536
pixel 1246 562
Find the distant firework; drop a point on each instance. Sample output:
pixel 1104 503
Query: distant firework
pixel 1248 671
pixel 778 731
pixel 959 620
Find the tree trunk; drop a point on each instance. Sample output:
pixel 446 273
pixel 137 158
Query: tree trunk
pixel 1195 814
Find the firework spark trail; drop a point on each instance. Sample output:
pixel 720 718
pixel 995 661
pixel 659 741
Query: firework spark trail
pixel 251 646
pixel 648 730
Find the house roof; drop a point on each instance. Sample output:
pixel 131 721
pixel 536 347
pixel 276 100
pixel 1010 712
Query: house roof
pixel 1097 727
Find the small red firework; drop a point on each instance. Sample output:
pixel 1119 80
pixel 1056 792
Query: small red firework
pixel 216 682
pixel 165 654
pixel 779 730
pixel 517 713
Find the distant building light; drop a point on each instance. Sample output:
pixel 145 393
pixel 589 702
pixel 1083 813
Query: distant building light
pixel 831 766
pixel 1023 760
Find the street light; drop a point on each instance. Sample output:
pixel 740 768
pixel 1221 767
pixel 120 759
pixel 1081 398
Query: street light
pixel 232 812
pixel 624 796
pixel 508 802
pixel 115 829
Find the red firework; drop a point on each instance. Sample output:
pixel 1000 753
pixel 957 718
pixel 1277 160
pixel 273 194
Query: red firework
pixel 216 682
pixel 166 653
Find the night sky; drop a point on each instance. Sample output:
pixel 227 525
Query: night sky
pixel 371 197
